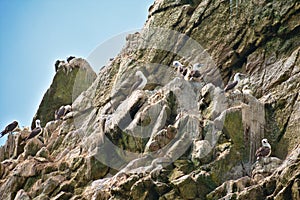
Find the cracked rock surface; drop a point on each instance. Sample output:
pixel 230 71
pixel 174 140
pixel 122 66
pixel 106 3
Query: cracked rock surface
pixel 176 138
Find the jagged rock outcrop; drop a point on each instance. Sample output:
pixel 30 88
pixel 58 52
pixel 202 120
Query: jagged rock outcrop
pixel 281 181
pixel 70 80
pixel 176 138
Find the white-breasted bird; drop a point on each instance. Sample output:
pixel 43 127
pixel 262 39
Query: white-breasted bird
pixel 264 150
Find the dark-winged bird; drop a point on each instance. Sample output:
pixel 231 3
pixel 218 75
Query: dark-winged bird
pixel 62 111
pixel 36 131
pixel 10 128
pixel 264 150
pixel 236 80
pixel 70 58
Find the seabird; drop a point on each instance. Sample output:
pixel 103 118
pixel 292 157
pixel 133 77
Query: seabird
pixel 12 127
pixel 264 150
pixel 57 64
pixel 36 131
pixel 179 67
pixel 62 111
pixel 177 64
pixel 194 74
pixel 140 83
pixel 236 80
pixel 70 58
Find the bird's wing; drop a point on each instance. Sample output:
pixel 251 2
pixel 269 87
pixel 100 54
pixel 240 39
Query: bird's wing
pixel 262 151
pixel 34 133
pixel 230 86
pixel 60 112
pixel 11 126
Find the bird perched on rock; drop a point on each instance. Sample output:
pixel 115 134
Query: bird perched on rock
pixel 58 64
pixel 236 80
pixel 62 111
pixel 180 68
pixel 140 83
pixel 176 64
pixel 36 131
pixel 12 127
pixel 70 58
pixel 194 74
pixel 264 150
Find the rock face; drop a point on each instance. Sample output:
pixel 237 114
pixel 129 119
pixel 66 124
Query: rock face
pixel 70 80
pixel 176 138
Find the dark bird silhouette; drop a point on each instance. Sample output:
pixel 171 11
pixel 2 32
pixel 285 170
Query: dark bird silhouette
pixel 36 131
pixel 10 128
pixel 62 111
pixel 184 71
pixel 264 150
pixel 232 85
pixel 70 58
pixel 57 64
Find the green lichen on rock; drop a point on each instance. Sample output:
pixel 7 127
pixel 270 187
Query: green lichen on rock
pixel 69 81
pixel 223 168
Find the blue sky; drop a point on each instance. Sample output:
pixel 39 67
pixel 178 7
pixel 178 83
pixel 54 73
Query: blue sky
pixel 35 33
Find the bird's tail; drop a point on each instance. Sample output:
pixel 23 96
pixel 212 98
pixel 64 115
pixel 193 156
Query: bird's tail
pixel 2 133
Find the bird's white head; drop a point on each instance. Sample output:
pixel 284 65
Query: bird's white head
pixel 237 77
pixel 177 64
pixel 68 108
pixel 265 143
pixel 38 123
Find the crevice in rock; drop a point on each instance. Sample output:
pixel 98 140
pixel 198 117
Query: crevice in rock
pixel 173 107
pixel 135 108
pixel 288 120
pixel 291 34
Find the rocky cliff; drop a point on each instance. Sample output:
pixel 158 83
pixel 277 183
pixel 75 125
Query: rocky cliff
pixel 175 138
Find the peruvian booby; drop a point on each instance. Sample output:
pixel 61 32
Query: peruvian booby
pixel 236 80
pixel 36 131
pixel 176 64
pixel 70 58
pixel 62 111
pixel 179 67
pixel 264 150
pixel 194 74
pixel 140 83
pixel 57 64
pixel 12 127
